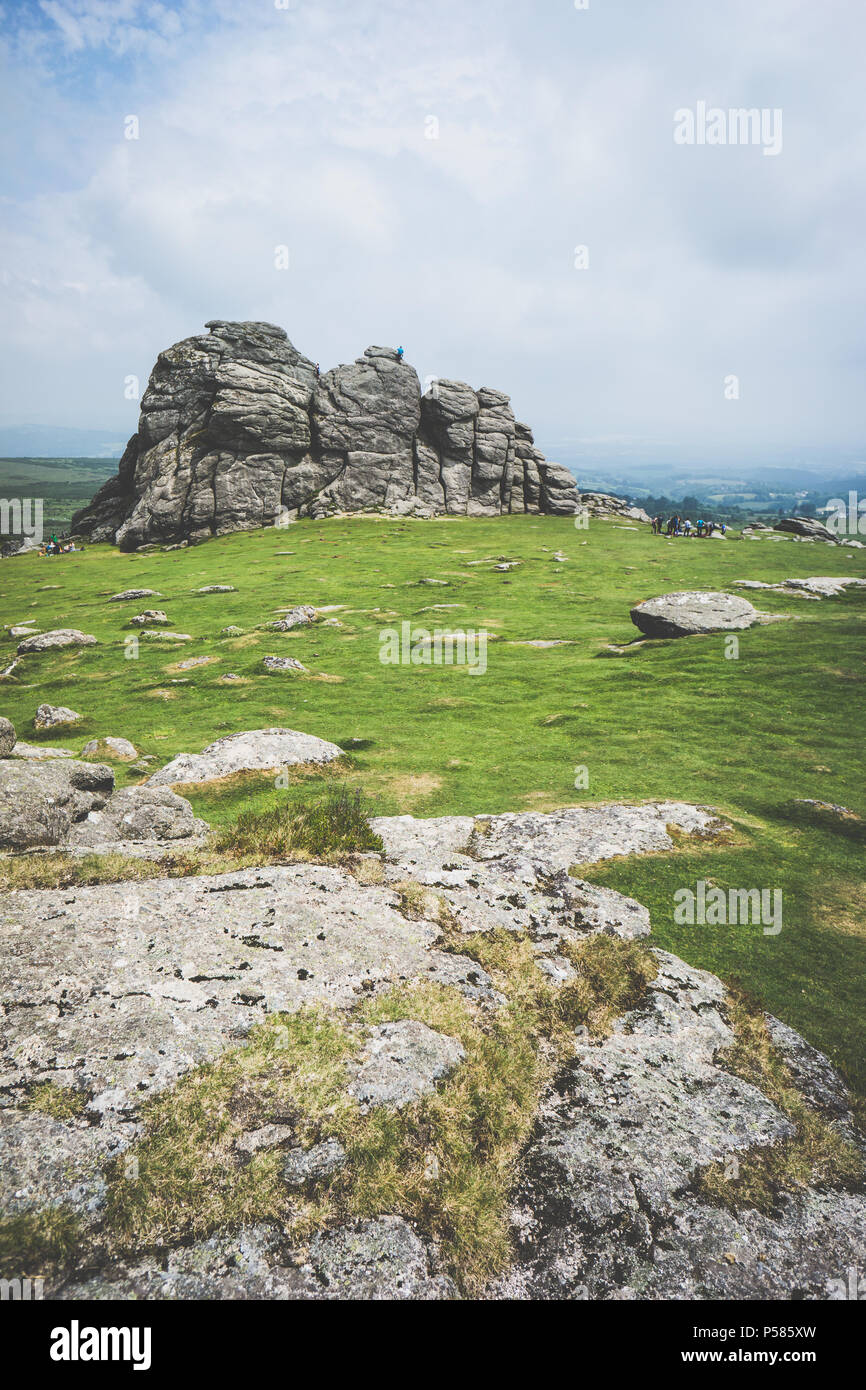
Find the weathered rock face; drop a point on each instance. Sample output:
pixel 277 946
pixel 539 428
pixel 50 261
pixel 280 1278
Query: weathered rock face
pixel 686 613
pixel 236 430
pixel 7 736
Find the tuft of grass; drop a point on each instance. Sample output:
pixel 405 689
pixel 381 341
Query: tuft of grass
pixel 42 1243
pixel 332 826
pixel 819 1154
pixel 60 1102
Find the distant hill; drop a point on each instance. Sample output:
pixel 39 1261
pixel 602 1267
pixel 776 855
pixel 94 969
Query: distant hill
pixel 60 441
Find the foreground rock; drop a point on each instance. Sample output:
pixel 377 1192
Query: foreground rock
pixel 382 1259
pixel 40 801
pixel 257 750
pixel 7 736
pixel 67 803
pixel 116 991
pixel 137 814
pixel 60 637
pixel 683 614
pixel 237 431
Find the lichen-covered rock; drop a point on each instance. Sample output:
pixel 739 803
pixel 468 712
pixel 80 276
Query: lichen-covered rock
pixel 237 431
pixel 685 613
pixel 150 615
pixel 41 800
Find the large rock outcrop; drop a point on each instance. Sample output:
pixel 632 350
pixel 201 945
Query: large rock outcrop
pixel 115 992
pixel 236 430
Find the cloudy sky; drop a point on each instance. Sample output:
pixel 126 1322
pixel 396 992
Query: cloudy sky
pixel 431 168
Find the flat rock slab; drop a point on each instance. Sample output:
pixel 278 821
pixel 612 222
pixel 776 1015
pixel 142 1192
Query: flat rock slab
pixel 60 637
pixel 402 1062
pixel 255 750
pixel 815 587
pixel 558 840
pixel 284 663
pixel 688 612
pixel 38 752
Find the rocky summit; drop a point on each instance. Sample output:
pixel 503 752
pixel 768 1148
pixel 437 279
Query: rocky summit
pixel 238 430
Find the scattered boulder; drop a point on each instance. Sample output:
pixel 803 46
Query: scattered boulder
pixel 134 593
pixel 40 804
pixel 283 663
pixel 256 750
pixel 688 612
pixel 237 431
pixel 60 637
pixel 138 813
pixel 217 589
pixel 49 715
pixel 403 1062
pixel 231 631
pixel 807 526
pixel 301 616
pixel 605 504
pixel 161 635
pixel 119 748
pixel 150 615
pixel 7 736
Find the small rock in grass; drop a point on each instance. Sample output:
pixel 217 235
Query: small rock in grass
pixel 150 615
pixel 49 715
pixel 231 631
pixel 283 663
pixel 217 589
pixel 99 748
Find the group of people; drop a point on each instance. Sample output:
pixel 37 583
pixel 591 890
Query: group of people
pixel 682 526
pixel 56 547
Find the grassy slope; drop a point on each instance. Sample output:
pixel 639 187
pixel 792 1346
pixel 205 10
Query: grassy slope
pixel 670 719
